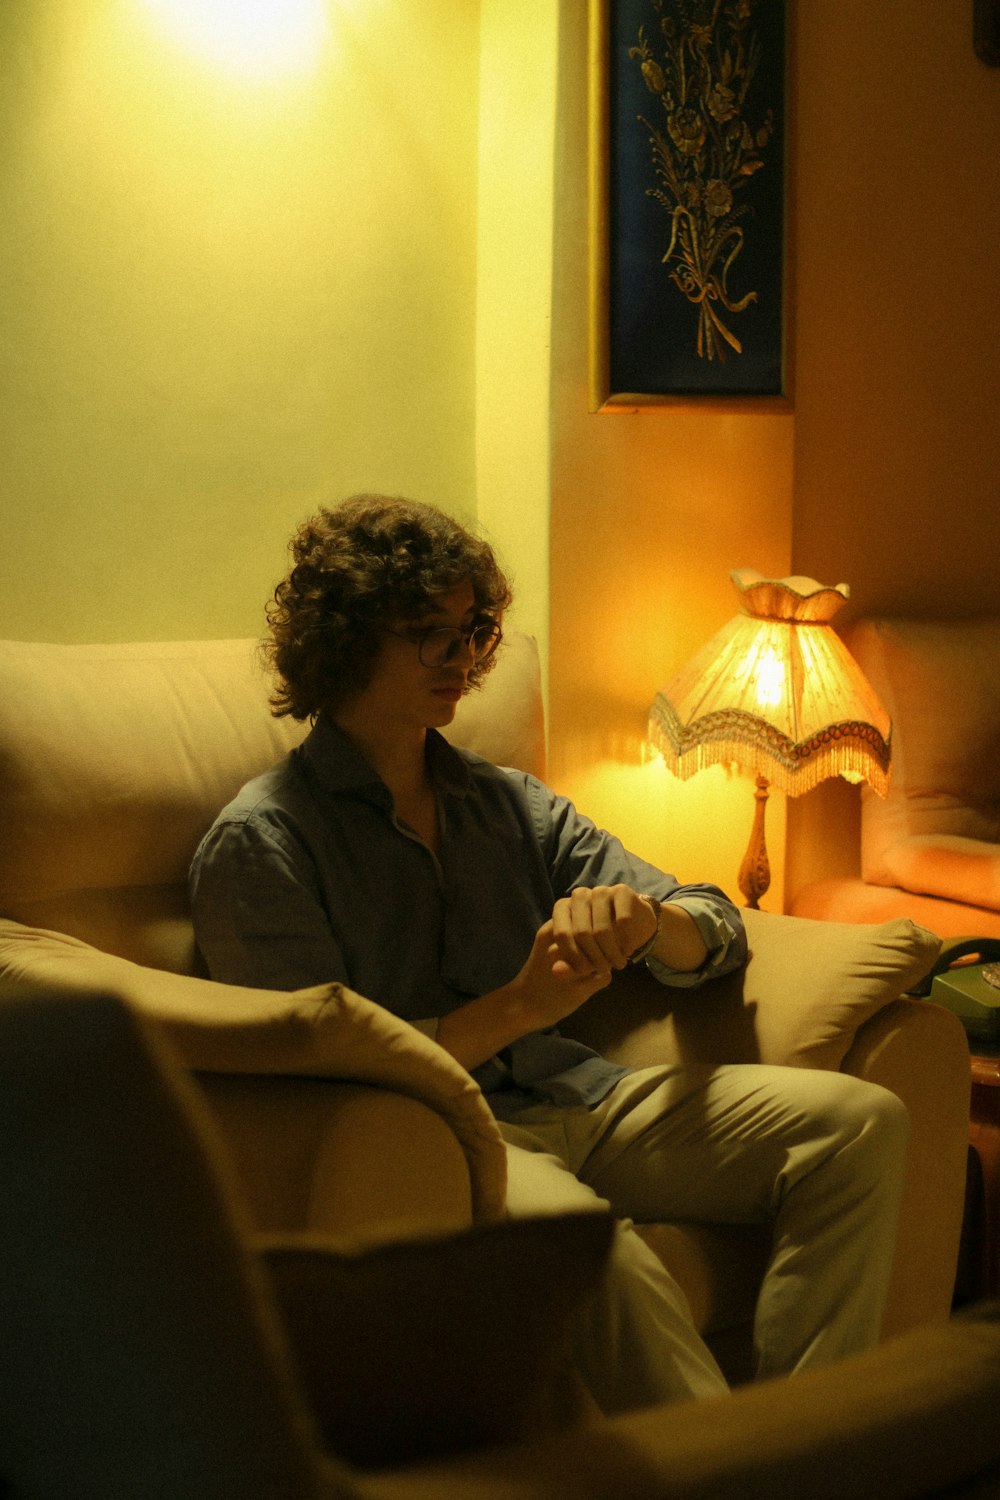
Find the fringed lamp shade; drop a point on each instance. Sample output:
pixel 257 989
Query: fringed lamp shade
pixel 777 692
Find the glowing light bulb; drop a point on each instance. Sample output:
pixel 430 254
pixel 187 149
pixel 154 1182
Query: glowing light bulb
pixel 248 38
pixel 769 679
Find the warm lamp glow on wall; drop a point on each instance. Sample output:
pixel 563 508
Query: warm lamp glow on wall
pixel 248 38
pixel 777 693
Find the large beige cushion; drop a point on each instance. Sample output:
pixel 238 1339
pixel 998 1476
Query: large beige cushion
pixel 115 759
pixel 938 831
pixel 805 992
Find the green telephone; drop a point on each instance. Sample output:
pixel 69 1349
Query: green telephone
pixel 966 979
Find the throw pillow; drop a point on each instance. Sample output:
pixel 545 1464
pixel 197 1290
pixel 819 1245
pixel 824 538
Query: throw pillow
pixel 807 988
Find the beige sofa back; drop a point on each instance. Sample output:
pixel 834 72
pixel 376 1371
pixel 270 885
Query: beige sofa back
pixel 114 759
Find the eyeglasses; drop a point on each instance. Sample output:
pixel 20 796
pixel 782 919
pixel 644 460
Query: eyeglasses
pixel 437 645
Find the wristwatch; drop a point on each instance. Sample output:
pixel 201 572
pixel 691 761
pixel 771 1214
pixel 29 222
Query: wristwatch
pixel 657 909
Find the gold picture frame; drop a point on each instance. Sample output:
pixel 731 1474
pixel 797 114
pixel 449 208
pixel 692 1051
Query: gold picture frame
pixel 688 151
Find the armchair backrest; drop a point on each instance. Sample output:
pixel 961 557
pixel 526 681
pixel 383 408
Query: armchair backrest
pixel 114 759
pixel 940 682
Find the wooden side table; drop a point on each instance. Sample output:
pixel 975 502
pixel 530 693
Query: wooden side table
pixel 984 1136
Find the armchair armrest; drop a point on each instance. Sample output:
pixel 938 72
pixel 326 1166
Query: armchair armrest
pixel 915 1417
pixel 948 865
pixel 920 1052
pixel 324 1032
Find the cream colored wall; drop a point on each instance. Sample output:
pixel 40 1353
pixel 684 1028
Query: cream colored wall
pixel 650 512
pixel 224 299
pixel 898 359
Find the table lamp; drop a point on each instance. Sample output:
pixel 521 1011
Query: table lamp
pixel 776 692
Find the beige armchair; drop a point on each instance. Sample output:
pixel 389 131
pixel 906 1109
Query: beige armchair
pixel 113 761
pixel 931 849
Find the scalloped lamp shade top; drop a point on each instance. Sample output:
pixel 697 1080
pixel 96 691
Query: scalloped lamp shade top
pixel 777 692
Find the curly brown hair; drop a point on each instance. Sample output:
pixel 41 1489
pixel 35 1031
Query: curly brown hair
pixel 371 563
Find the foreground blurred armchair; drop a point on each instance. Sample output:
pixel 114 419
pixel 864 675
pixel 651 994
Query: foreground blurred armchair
pixel 156 1349
pixel 336 1116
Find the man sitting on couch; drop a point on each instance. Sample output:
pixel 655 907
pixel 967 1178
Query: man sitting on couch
pixel 483 908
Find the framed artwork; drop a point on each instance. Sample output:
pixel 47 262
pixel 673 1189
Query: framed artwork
pixel 986 31
pixel 689 125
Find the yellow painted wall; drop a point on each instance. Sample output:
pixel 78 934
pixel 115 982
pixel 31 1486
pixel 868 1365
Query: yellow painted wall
pixel 898 309
pixel 519 42
pixel 650 512
pixel 224 299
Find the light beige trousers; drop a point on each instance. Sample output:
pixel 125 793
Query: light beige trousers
pixel 818 1155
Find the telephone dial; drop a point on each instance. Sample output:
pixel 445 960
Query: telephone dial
pixel 966 979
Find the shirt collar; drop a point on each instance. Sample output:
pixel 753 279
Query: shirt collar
pixel 340 767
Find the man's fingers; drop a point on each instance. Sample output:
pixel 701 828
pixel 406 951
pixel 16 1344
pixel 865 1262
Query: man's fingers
pixel 574 944
pixel 597 927
pixel 589 982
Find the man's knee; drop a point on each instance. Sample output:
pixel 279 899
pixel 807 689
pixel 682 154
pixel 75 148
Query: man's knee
pixel 886 1132
pixel 539 1183
pixel 877 1112
pixel 868 1125
pixel 853 1105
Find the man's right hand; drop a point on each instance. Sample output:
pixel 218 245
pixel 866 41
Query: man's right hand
pixel 550 989
pixel 543 993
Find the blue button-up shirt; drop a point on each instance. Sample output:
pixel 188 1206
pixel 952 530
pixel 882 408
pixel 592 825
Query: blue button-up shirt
pixel 308 876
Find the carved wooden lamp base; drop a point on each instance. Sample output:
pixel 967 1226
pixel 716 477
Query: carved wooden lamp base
pixel 755 871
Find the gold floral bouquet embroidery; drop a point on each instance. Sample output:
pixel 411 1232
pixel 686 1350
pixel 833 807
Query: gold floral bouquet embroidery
pixel 706 153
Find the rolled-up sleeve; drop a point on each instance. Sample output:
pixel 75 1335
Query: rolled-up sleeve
pixel 721 929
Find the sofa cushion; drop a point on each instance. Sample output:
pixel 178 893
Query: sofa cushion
pixel 414 1349
pixel 807 988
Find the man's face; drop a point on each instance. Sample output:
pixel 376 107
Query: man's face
pixel 404 694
